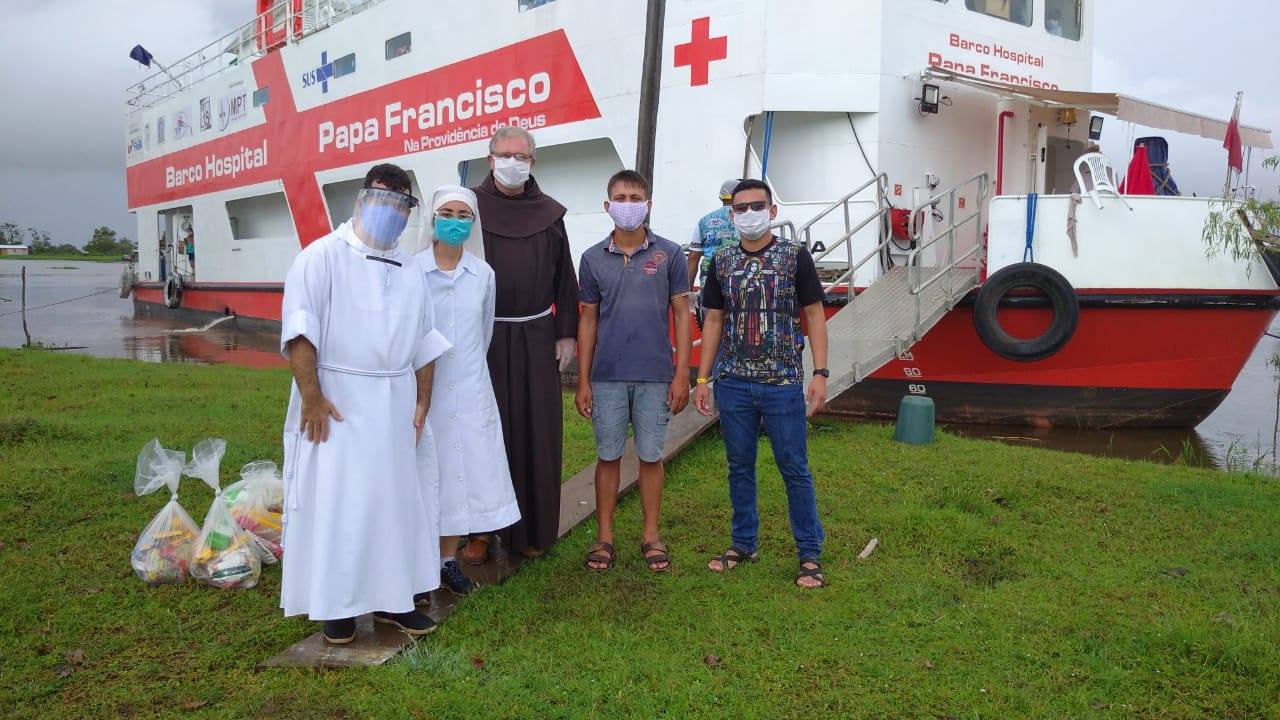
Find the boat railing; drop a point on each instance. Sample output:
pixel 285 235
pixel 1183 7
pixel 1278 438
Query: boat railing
pixel 956 283
pixel 845 240
pixel 288 21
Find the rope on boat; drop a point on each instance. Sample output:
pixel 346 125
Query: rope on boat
pixel 60 302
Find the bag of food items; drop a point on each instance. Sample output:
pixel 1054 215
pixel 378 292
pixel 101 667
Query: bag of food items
pixel 164 550
pixel 226 555
pixel 257 503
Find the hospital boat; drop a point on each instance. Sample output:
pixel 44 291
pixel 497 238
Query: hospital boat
pixel 934 155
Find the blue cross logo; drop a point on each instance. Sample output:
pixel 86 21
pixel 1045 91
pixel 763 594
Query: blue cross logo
pixel 319 75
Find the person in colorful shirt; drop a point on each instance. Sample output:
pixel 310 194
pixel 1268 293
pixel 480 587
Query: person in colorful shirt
pixel 754 297
pixel 631 284
pixel 714 230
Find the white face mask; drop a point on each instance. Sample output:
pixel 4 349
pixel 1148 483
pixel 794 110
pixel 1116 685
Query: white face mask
pixel 752 224
pixel 511 172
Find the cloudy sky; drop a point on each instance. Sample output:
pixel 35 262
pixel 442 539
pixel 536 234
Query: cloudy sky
pixel 66 66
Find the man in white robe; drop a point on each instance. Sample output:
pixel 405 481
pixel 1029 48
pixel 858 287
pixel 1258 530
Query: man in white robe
pixel 361 481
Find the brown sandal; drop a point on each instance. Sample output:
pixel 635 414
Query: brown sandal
pixel 654 560
pixel 734 555
pixel 597 554
pixel 479 557
pixel 814 572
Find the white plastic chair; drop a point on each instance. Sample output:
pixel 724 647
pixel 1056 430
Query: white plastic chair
pixel 1103 175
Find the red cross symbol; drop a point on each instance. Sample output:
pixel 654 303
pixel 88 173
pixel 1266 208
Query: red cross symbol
pixel 701 51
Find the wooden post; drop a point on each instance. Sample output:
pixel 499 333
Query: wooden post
pixel 650 88
pixel 24 307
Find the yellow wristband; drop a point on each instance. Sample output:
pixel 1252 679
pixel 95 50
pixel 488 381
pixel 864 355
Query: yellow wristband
pixel 703 381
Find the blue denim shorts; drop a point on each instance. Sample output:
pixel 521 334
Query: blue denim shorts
pixel 641 404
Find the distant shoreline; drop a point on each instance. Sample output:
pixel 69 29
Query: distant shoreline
pixel 66 257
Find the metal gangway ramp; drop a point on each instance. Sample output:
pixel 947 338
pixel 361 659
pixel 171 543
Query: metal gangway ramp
pixel 897 309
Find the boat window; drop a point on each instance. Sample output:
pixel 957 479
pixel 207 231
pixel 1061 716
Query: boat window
pixel 1062 18
pixel 261 96
pixel 260 217
pixel 1018 11
pixel 340 197
pixel 531 4
pixel 344 65
pixel 399 45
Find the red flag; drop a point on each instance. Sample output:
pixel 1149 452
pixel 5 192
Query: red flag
pixel 1235 153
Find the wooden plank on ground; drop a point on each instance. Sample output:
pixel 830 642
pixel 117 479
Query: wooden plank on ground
pixel 578 494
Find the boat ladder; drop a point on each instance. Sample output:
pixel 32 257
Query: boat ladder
pixel 896 310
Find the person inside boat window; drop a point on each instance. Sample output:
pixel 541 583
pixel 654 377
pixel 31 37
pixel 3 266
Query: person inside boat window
pixel 164 256
pixel 756 292
pixel 189 243
pixel 1018 11
pixel 1062 18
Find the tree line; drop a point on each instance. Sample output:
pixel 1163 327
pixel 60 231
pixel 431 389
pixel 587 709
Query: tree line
pixel 104 241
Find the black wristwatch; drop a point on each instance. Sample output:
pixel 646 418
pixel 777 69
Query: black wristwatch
pixel 822 371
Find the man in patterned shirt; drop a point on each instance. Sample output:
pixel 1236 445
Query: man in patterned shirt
pixel 714 230
pixel 754 296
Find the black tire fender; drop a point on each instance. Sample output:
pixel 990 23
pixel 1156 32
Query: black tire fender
pixel 173 291
pixel 1062 298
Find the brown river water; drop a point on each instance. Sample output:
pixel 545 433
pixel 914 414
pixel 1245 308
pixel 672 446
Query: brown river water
pixel 1239 435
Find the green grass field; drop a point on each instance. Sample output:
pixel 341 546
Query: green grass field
pixel 1010 583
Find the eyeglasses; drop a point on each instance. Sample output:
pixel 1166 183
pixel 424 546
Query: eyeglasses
pixel 513 156
pixel 756 206
pixel 455 215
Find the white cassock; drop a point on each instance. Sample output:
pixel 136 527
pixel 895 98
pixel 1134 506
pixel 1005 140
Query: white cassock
pixel 475 482
pixel 361 509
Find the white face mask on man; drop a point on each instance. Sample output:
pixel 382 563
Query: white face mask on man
pixel 511 172
pixel 752 224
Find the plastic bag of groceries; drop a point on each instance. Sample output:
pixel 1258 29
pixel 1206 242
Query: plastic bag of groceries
pixel 257 503
pixel 164 549
pixel 226 555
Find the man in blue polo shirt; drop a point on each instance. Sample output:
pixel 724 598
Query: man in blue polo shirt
pixel 631 284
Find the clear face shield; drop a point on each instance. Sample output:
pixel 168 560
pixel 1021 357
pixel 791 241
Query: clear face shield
pixel 383 219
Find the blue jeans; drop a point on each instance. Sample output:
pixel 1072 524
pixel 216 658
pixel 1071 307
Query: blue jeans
pixel 742 404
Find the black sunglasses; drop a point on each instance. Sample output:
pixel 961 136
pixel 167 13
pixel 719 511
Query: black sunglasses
pixel 756 206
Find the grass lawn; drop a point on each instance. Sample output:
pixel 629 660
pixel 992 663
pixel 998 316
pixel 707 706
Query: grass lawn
pixel 1010 582
pixel 66 256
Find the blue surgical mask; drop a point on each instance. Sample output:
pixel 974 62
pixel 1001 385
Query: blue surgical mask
pixel 453 231
pixel 381 225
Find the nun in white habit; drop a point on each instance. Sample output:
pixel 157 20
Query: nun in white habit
pixel 476 495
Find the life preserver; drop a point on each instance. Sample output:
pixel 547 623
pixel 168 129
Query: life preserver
pixel 127 279
pixel 1062 298
pixel 173 291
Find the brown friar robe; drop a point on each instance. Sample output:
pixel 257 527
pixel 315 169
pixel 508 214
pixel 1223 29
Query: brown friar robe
pixel 526 244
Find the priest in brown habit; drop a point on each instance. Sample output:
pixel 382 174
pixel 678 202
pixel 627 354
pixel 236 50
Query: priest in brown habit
pixel 533 336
